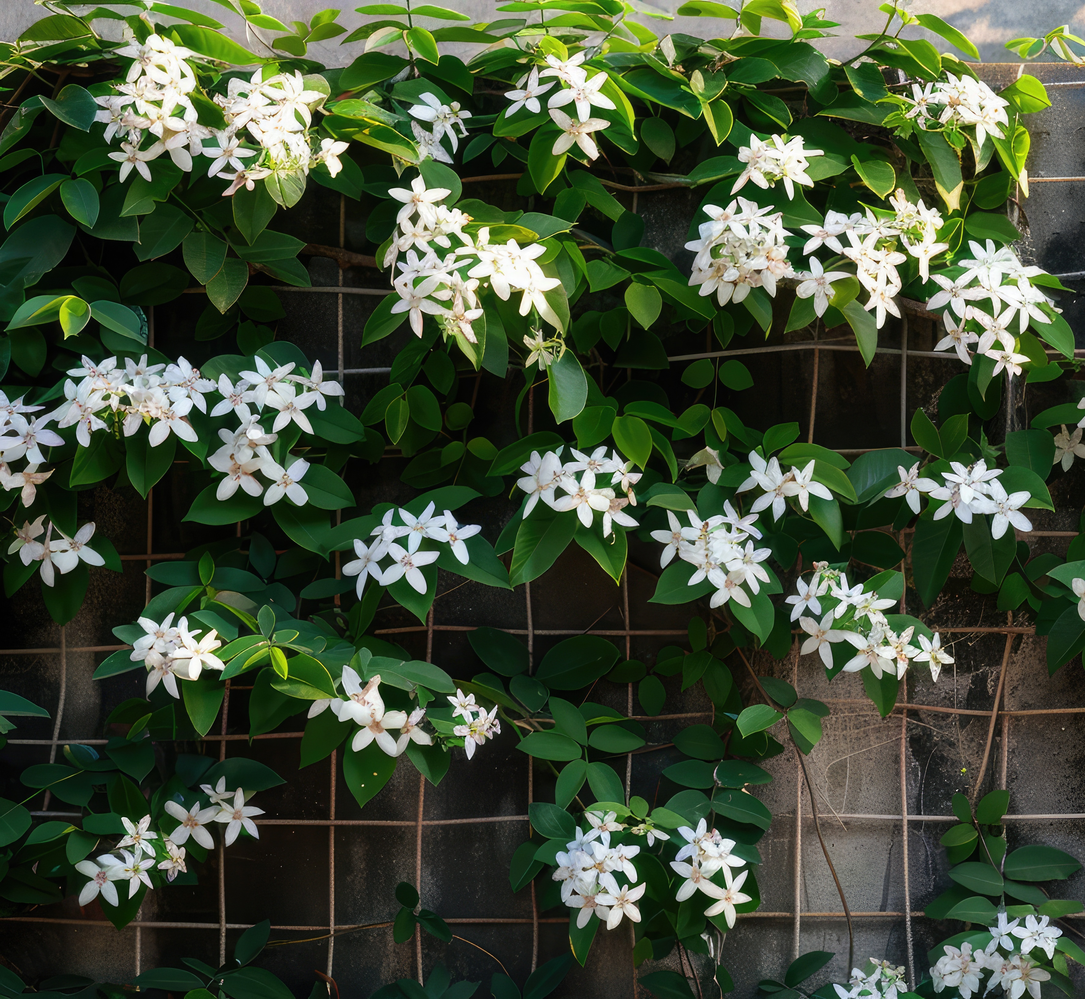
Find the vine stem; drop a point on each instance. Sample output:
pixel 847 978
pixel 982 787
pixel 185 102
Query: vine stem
pixel 814 812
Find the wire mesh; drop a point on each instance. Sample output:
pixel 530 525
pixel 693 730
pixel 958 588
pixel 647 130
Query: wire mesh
pixel 799 900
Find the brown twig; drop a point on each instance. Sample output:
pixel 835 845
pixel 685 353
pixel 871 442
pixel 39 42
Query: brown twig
pixel 814 814
pixel 344 258
pixel 994 719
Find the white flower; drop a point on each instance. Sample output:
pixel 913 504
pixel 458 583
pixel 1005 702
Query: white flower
pixel 362 704
pixel 365 565
pixel 672 540
pixel 623 904
pixel 821 638
pixel 1066 447
pixel 1007 510
pixel 803 486
pixel 197 655
pixel 410 732
pixel 807 597
pixel 408 564
pixel 819 284
pixel 528 94
pixel 424 526
pixel 133 869
pixel 285 482
pixel 174 864
pixel 1037 933
pixel 26 481
pixel 576 133
pixel 583 96
pixel 729 899
pixel 192 823
pixel 237 816
pixel 1078 586
pixel 696 879
pixel 478 730
pixel 911 486
pixel 932 653
pixel 458 535
pixel 418 199
pixel 133 156
pixel 100 882
pixel 465 706
pixel 68 552
pixel 138 835
pixel 956 337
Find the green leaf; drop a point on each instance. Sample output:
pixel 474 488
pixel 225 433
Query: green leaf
pixel 204 255
pixel 934 548
pixel 203 698
pixel 945 164
pixel 551 820
pixel 568 387
pixel 500 651
pixel 576 662
pixel 367 772
pixel 550 746
pixel 864 327
pixel 14 821
pixel 984 225
pixel 1039 863
pixel 29 196
pixel 757 718
pixel 1033 449
pixel 803 967
pixel 74 106
pixel 644 303
pixel 932 22
pixel 161 232
pixel 633 438
pixel 421 41
pixel 227 285
pixel 539 541
pixel 992 807
pixel 612 739
pixel 214 45
pixel 670 984
pixel 719 119
pixel 978 877
pixel 543 166
pixel 877 174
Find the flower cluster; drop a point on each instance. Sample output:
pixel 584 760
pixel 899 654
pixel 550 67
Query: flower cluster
pixel 22 438
pixel 778 485
pixel 445 119
pixel 153 113
pixel 174 651
pixel 446 284
pixel 720 550
pixel 478 723
pixel 883 981
pixel 364 707
pixel 163 395
pixel 958 102
pixel 856 615
pixel 579 480
pixel 875 249
pixel 705 855
pixel 142 851
pixel 60 554
pixel 996 277
pixel 408 559
pixel 774 159
pixel 965 491
pixel 574 87
pixel 740 247
pixel 589 870
pixel 1006 957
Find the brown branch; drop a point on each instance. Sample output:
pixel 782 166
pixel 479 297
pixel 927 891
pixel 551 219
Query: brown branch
pixel 345 258
pixel 814 812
